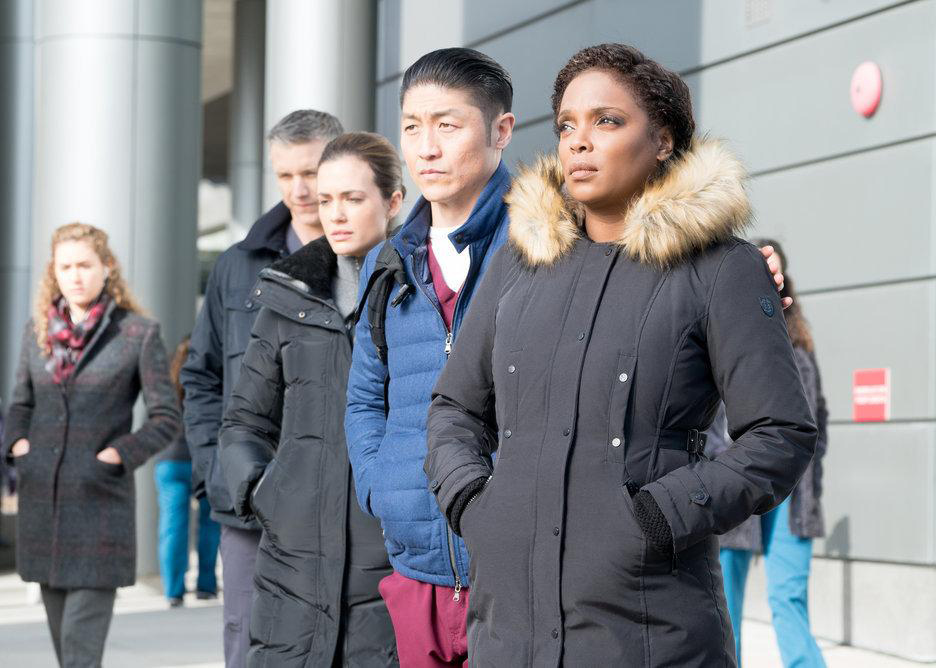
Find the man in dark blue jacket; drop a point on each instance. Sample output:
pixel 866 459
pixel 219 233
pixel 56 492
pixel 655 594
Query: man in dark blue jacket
pixel 456 122
pixel 220 338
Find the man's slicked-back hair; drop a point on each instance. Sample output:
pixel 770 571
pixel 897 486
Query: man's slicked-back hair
pixel 482 77
pixel 305 125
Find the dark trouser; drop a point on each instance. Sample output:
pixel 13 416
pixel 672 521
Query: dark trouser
pixel 78 620
pixel 238 557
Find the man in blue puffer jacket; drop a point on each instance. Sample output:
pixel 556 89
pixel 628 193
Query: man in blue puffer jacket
pixel 455 123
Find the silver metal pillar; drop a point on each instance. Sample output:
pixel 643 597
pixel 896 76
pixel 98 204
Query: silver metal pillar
pixel 246 140
pixel 16 130
pixel 319 55
pixel 118 137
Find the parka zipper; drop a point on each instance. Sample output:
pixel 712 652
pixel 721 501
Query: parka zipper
pixel 449 338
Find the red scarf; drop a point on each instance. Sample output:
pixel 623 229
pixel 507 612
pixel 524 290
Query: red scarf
pixel 67 339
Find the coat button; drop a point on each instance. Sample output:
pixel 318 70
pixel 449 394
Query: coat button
pixel 327 321
pixel 301 314
pixel 507 433
pixel 249 303
pixel 459 238
pixel 615 442
pixel 581 336
pixel 566 431
pixel 434 485
pixel 511 368
pixel 257 292
pixel 608 251
pixel 623 378
pixel 555 633
pixel 555 531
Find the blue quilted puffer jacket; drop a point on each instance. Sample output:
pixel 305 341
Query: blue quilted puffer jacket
pixel 387 449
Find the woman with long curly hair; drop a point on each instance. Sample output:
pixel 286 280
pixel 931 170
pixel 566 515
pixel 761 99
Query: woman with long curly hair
pixel 785 534
pixel 87 354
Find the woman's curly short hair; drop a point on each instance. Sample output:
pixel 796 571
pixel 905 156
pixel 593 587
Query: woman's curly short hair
pixel 660 92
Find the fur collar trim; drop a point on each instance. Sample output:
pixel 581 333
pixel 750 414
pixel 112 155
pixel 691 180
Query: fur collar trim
pixel 310 269
pixel 700 201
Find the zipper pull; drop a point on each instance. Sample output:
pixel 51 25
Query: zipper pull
pixel 448 351
pixel 458 588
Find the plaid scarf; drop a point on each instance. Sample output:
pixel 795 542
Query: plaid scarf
pixel 67 339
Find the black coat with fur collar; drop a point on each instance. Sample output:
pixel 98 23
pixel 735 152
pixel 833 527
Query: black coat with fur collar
pixel 599 361
pixel 284 458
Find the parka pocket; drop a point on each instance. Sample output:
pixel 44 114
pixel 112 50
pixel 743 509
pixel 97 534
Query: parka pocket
pixel 618 406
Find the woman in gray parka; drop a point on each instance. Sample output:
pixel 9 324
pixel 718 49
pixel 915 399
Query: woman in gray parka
pixel 595 352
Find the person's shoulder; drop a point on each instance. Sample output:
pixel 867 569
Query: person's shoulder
pixel 727 258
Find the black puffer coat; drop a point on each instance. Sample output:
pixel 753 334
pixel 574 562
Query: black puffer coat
pixel 587 367
pixel 283 455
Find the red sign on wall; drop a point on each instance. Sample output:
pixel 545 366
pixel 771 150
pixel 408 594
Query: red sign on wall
pixel 871 392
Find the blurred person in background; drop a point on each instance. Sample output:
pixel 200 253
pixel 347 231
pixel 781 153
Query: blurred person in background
pixel 785 534
pixel 283 445
pixel 87 354
pixel 173 475
pixel 220 338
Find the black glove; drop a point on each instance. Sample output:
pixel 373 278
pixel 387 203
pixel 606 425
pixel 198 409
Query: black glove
pixel 462 500
pixel 653 522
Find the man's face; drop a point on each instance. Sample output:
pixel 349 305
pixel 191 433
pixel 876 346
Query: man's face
pixel 446 143
pixel 296 166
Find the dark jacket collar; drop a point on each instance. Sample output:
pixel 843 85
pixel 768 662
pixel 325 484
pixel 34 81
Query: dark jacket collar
pixel 487 213
pixel 309 270
pixel 269 232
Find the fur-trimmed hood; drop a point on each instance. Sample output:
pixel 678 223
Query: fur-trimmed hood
pixel 700 201
pixel 309 270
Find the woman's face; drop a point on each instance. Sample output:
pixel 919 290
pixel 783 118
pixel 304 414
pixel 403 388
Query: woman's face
pixel 353 212
pixel 79 272
pixel 607 146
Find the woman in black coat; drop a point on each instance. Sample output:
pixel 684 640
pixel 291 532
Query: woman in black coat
pixel 87 355
pixel 283 449
pixel 593 355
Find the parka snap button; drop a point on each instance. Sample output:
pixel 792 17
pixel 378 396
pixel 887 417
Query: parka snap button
pixel 434 485
pixel 257 293
pixel 608 251
pixel 623 378
pixel 566 431
pixel 327 321
pixel 511 368
pixel 615 442
pixel 249 303
pixel 581 336
pixel 555 633
pixel 508 433
pixel 555 531
pixel 301 314
pixel 459 238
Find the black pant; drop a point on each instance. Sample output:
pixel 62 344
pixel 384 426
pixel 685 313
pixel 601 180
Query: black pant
pixel 78 620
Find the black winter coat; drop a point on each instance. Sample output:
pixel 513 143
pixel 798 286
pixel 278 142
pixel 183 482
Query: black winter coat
pixel 76 522
pixel 586 367
pixel 216 351
pixel 284 457
pixel 806 520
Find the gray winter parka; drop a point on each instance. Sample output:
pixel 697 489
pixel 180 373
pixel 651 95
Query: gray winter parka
pixel 283 455
pixel 588 367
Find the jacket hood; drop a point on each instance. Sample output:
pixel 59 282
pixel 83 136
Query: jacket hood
pixel 269 232
pixel 700 201
pixel 309 270
pixel 481 225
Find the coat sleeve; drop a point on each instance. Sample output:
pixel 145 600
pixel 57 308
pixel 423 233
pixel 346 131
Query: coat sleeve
pixel 462 430
pixel 163 422
pixel 202 376
pixel 19 415
pixel 252 421
pixel 365 417
pixel 769 419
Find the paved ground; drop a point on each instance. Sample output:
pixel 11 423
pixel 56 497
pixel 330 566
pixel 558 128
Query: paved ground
pixel 146 634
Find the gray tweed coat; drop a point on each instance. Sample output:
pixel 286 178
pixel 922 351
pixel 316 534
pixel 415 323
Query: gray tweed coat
pixel 76 514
